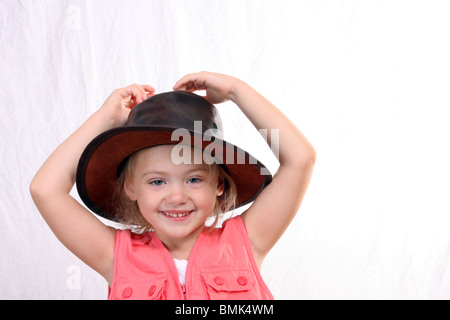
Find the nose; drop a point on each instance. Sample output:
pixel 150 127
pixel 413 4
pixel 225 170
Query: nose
pixel 176 195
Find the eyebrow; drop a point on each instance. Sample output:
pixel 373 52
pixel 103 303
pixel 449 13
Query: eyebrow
pixel 162 173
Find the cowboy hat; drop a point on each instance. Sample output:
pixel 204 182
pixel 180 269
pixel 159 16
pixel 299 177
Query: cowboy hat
pixel 164 119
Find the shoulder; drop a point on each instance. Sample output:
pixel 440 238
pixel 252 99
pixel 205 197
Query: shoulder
pixel 233 231
pixel 128 238
pixel 233 221
pixel 234 225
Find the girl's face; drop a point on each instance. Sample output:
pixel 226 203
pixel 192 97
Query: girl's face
pixel 175 199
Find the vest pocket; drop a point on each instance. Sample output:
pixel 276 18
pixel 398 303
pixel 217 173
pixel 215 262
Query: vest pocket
pixel 228 282
pixel 148 288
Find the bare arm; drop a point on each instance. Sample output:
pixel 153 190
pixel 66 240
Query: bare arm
pixel 273 210
pixel 82 233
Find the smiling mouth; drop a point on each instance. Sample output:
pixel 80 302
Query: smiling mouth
pixel 176 214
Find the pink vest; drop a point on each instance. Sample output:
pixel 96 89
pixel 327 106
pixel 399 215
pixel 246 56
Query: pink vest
pixel 221 266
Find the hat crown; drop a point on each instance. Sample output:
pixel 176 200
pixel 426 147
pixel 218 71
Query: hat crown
pixel 177 110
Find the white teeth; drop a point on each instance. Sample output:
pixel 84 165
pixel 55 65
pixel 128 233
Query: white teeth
pixel 175 215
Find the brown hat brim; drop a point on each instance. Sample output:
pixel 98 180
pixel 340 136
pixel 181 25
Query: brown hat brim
pixel 100 162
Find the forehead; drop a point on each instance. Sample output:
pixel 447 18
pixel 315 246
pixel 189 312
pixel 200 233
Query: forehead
pixel 161 157
pixel 166 153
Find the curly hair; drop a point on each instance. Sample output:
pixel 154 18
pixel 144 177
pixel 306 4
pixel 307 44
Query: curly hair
pixel 128 213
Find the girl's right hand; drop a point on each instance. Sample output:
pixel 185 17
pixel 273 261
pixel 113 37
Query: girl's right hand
pixel 118 105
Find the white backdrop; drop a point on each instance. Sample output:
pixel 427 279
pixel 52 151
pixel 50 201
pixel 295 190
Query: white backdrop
pixel 366 81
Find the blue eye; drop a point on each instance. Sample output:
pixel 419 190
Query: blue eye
pixel 157 182
pixel 194 180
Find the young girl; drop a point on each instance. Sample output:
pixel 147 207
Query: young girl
pixel 123 161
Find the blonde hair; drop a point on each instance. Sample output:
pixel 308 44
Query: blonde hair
pixel 128 213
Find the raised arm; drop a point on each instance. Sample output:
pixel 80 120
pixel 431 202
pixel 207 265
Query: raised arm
pixel 82 233
pixel 275 207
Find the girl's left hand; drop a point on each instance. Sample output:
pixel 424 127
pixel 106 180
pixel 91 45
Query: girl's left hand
pixel 219 87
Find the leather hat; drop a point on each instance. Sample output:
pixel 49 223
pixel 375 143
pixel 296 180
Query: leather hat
pixel 155 122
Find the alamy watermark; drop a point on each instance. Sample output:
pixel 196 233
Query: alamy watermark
pixel 73 281
pixel 73 17
pixel 214 152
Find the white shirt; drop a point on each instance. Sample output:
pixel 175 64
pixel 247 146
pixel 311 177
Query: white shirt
pixel 181 268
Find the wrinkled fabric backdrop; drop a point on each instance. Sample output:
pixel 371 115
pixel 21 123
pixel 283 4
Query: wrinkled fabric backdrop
pixel 366 81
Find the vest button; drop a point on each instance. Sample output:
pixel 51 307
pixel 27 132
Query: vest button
pixel 152 290
pixel 127 292
pixel 219 281
pixel 242 281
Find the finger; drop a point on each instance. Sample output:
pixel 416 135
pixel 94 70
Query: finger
pixel 181 84
pixel 142 92
pixel 134 93
pixel 149 90
pixel 125 92
pixel 191 87
pixel 189 82
pixel 141 95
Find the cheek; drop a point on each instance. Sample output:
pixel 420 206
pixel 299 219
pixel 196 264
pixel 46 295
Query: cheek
pixel 147 203
pixel 207 200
